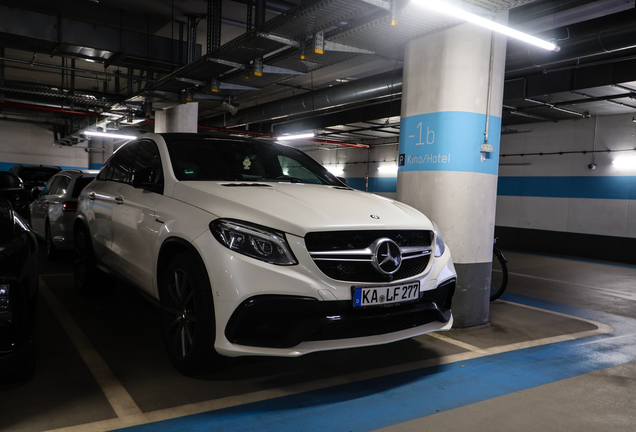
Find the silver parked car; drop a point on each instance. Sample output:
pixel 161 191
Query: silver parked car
pixel 53 211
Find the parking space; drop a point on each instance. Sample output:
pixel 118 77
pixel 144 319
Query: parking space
pixel 102 365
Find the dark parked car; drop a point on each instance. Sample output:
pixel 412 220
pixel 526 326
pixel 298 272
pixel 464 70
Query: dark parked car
pixel 18 295
pixel 34 176
pixel 12 189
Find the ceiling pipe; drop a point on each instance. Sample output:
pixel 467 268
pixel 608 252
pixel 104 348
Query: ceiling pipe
pixel 613 35
pixel 384 84
pixel 270 135
pixel 41 107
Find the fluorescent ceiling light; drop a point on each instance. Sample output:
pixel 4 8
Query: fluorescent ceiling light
pixel 295 137
pixel 447 9
pixel 388 169
pixel 335 170
pixel 625 162
pixel 108 135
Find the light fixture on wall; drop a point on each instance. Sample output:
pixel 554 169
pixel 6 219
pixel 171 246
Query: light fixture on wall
pixel 388 169
pixel 108 135
pixel 296 136
pixel 336 170
pixel 446 9
pixel 624 162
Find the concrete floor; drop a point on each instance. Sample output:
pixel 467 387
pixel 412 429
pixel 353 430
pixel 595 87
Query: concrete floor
pixel 559 355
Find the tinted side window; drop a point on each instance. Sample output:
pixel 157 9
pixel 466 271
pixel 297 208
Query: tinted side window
pixel 122 166
pixel 62 186
pixel 147 166
pixel 118 168
pixel 48 186
pixel 52 186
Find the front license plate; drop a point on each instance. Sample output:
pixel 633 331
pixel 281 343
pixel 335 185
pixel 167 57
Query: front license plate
pixel 378 296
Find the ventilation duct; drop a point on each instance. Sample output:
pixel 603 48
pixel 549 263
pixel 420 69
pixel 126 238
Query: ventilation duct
pixel 361 90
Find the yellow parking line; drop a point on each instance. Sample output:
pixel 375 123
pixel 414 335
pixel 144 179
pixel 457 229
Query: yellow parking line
pixel 117 396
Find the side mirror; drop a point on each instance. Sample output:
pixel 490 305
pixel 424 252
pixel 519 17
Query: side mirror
pixel 142 179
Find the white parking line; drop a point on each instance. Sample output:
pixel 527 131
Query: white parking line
pixel 230 401
pixel 117 396
pixel 456 342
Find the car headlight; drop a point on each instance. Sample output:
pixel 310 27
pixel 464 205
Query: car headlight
pixel 440 247
pixel 254 241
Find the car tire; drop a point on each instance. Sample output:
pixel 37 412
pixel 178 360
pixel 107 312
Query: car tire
pixel 188 320
pixel 88 280
pixel 52 253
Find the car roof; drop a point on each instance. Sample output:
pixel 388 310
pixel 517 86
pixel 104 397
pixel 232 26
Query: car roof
pixel 78 173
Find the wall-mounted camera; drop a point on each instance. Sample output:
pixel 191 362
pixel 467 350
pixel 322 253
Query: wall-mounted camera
pixel 591 166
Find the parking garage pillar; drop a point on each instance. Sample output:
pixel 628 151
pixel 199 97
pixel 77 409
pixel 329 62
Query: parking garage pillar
pixel 452 96
pixel 181 118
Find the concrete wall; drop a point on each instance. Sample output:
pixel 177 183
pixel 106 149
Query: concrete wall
pixel 554 203
pixel 23 143
pixel 358 163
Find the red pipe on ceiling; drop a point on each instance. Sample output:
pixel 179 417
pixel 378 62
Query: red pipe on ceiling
pixel 49 109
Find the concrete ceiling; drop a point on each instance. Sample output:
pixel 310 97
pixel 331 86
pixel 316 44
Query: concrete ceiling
pixel 47 75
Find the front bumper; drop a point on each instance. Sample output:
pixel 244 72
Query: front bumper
pixel 286 321
pixel 288 311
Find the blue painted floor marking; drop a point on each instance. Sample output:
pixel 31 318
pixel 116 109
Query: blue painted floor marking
pixel 385 401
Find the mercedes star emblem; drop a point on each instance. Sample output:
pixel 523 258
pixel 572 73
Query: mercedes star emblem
pixel 387 256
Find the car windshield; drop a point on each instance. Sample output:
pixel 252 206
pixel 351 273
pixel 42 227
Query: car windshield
pixel 225 159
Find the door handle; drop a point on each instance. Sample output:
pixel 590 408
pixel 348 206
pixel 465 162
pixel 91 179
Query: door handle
pixel 119 199
pixel 91 196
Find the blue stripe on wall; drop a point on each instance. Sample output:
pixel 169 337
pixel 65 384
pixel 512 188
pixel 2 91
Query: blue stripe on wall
pixel 6 166
pixel 376 184
pixel 599 187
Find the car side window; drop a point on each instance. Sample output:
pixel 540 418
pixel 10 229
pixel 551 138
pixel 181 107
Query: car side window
pixel 147 166
pixel 51 187
pixel 62 186
pixel 119 166
pixel 122 168
pixel 48 186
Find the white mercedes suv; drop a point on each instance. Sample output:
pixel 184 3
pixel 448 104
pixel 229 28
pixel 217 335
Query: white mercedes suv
pixel 253 248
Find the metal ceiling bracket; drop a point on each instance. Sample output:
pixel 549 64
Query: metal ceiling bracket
pixel 384 4
pixel 191 81
pixel 319 42
pixel 229 86
pixel 282 71
pixel 333 46
pixel 213 85
pixel 226 62
pixel 258 66
pixel 321 45
pixel 280 39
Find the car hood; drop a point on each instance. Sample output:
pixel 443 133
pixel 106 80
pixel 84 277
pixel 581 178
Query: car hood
pixel 298 208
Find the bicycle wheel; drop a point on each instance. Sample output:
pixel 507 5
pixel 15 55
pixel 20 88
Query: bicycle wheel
pixel 499 275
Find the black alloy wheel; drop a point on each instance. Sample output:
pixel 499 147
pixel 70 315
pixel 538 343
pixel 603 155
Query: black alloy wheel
pixel 188 319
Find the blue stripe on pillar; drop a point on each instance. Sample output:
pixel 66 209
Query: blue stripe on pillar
pixel 448 141
pixel 597 187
